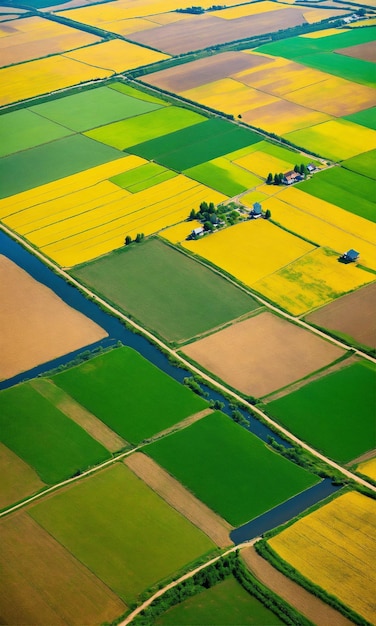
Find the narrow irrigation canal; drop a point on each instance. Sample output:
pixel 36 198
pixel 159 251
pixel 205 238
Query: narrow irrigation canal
pixel 118 332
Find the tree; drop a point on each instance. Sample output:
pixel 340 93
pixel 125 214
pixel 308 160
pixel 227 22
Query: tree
pixel 297 169
pixel 204 207
pixel 303 169
pixel 268 214
pixel 192 215
pixel 276 179
pixel 128 240
pixel 211 207
pixel 269 179
pixel 208 226
pixel 139 237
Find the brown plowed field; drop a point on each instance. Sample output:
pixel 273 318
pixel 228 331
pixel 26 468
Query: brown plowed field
pixel 352 315
pixel 364 51
pixel 207 30
pixel 36 324
pixel 262 354
pixel 313 608
pixel 203 71
pixel 180 499
pixel 42 583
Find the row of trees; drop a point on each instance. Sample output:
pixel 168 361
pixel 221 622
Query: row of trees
pixel 139 237
pixel 277 179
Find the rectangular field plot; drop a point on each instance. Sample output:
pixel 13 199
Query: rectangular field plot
pixel 346 189
pixel 227 603
pixel 334 547
pixel 250 250
pixel 92 108
pixel 19 480
pixel 30 313
pixel 143 177
pixel 363 164
pixel 312 281
pixel 145 127
pixel 248 355
pixel 166 290
pixel 364 118
pixel 131 541
pixel 335 414
pixel 44 437
pixel 49 162
pixel 368 468
pixel 116 55
pixel 42 583
pixel 129 394
pixel 228 468
pixel 223 176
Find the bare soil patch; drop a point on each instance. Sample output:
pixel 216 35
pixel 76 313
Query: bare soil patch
pixel 262 354
pixel 203 71
pixel 72 409
pixel 207 30
pixel 180 498
pixel 363 457
pixel 363 51
pixel 313 608
pixel 18 480
pixel 352 315
pixel 36 324
pixel 42 583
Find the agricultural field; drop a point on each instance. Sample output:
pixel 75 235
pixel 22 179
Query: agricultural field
pixel 131 541
pixel 368 468
pixel 351 316
pixel 35 37
pixel 226 603
pixel 248 355
pixel 364 118
pixel 362 164
pixel 110 387
pixel 166 290
pixel 40 326
pixel 42 583
pixel 223 176
pixel 45 438
pixel 234 248
pixel 143 177
pixel 200 457
pixel 19 479
pixel 334 547
pixel 312 281
pixel 334 414
pixel 346 189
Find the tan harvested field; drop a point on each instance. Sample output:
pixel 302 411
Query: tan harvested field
pixel 306 603
pixel 38 326
pixel 42 583
pixel 203 71
pixel 207 30
pixel 352 315
pixel 180 498
pixel 364 51
pixel 262 354
pixel 18 479
pixel 283 116
pixel 89 422
pixel 334 96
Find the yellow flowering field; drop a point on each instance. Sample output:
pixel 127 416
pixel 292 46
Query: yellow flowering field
pixel 249 9
pixel 282 117
pixel 250 250
pixel 316 15
pixel 179 232
pixel 35 78
pixel 334 96
pixel 126 27
pixel 335 547
pixel 370 22
pixel 317 34
pixel 117 55
pixel 311 281
pixel 261 163
pixel 368 468
pixel 282 77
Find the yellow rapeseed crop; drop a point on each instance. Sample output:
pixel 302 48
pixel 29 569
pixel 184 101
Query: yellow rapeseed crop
pixel 335 547
pixel 179 232
pixel 249 9
pixel 368 468
pixel 334 96
pixel 317 34
pixel 313 280
pixel 261 163
pixel 370 22
pixel 126 27
pixel 250 250
pixel 117 55
pixel 44 75
pixel 316 15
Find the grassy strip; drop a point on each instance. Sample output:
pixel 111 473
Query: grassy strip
pixel 264 550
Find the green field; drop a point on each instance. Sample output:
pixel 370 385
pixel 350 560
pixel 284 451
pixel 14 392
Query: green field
pixel 224 176
pixel 225 604
pixel 18 479
pixel 346 189
pixel 121 530
pixel 51 443
pixel 129 394
pixel 364 118
pixel 136 93
pixel 188 147
pixel 143 177
pixel 146 127
pixel 228 468
pixel 23 129
pixel 92 108
pixel 166 290
pixel 51 161
pixel 335 414
pixel 363 164
pixel 356 70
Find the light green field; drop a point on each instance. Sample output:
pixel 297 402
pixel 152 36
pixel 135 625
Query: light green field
pixel 23 129
pixel 135 93
pixel 145 127
pixel 224 176
pixel 121 530
pixel 143 177
pixel 279 152
pixel 363 164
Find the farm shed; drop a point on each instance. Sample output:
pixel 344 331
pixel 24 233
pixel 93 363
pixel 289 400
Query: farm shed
pixel 256 210
pixel 350 256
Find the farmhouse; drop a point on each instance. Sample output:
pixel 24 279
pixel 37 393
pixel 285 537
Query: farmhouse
pixel 256 211
pixel 311 168
pixel 350 256
pixel 291 177
pixel 196 232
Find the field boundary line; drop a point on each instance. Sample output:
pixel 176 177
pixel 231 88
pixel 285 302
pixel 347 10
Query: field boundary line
pixel 287 434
